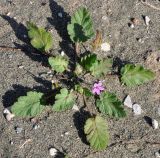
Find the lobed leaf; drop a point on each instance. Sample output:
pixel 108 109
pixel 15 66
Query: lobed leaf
pixel 133 75
pixel 101 67
pixel 29 105
pixel 97 133
pixel 88 61
pixel 96 67
pixel 64 101
pixel 58 63
pixel 81 27
pixel 40 38
pixel 110 105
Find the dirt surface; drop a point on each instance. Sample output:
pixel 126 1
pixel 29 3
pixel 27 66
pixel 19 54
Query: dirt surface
pixel 132 137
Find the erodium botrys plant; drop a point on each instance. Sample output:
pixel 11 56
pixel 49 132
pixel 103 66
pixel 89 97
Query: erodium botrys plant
pixel 80 30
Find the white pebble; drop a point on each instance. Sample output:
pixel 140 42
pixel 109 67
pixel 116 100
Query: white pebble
pixel 9 13
pixel 66 133
pixel 147 20
pixel 53 151
pixel 60 14
pixel 105 47
pixel 6 111
pixel 128 102
pixel 9 117
pixel 20 66
pixel 157 154
pixel 137 109
pixel 131 26
pixel 155 124
pixel 62 53
pixel 75 107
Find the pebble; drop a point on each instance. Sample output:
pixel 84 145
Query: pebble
pixel 62 53
pixel 75 107
pixel 11 142
pixel 9 117
pixel 66 133
pixel 137 109
pixel 131 26
pixel 36 126
pixel 60 14
pixel 157 154
pixel 147 20
pixel 128 102
pixel 155 124
pixel 105 47
pixel 18 130
pixel 20 66
pixel 8 14
pixel 53 151
pixel 6 111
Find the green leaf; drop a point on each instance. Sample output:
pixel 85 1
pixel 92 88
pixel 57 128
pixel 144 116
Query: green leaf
pixel 81 27
pixel 64 101
pixel 40 38
pixel 58 63
pixel 97 133
pixel 83 90
pixel 101 67
pixel 132 75
pixel 88 61
pixel 29 105
pixel 95 66
pixel 109 104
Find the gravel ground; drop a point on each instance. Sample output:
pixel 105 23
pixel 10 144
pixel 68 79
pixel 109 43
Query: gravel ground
pixel 22 70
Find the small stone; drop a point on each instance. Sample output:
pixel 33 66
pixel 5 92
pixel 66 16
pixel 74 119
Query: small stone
pixel 128 102
pixel 53 151
pixel 62 53
pixel 66 133
pixel 20 66
pixel 147 20
pixel 155 124
pixel 60 14
pixel 11 142
pixel 105 47
pixel 62 135
pixel 6 111
pixel 75 107
pixel 132 147
pixel 31 2
pixel 157 154
pixel 9 117
pixel 137 109
pixel 36 126
pixel 131 26
pixel 8 14
pixel 18 130
pixel 15 18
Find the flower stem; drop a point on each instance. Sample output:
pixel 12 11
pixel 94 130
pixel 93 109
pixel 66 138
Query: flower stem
pixel 92 112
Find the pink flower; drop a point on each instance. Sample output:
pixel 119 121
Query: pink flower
pixel 98 88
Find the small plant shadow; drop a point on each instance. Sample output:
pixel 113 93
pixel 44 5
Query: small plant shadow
pixel 79 119
pixel 21 33
pixel 18 90
pixel 60 24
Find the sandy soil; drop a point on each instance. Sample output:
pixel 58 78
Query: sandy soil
pixel 137 139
